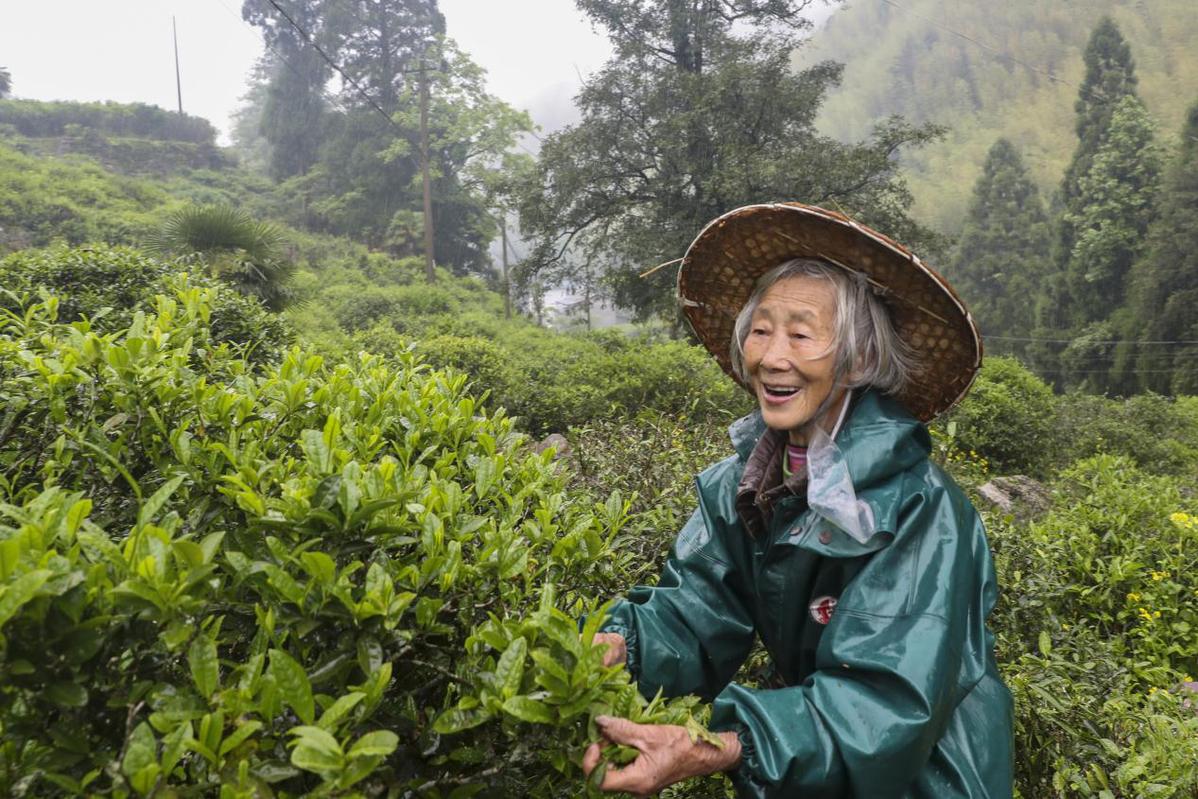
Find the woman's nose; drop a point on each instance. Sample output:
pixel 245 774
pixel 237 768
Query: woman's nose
pixel 777 354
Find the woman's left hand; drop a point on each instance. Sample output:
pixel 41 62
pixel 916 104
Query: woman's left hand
pixel 667 755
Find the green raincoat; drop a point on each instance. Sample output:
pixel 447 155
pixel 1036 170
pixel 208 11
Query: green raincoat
pixel 887 684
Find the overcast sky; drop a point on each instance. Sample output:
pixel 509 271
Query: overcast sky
pixel 121 50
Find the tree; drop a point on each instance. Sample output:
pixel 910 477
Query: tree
pixel 364 179
pixel 293 108
pixel 232 246
pixel 1114 207
pixel 1165 281
pixel 698 111
pixel 1000 256
pixel 1110 77
pixel 5 83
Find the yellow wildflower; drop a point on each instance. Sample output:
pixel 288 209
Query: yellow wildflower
pixel 1145 615
pixel 1158 576
pixel 1156 614
pixel 1152 690
pixel 1134 597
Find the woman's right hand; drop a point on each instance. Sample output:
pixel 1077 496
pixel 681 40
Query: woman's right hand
pixel 616 652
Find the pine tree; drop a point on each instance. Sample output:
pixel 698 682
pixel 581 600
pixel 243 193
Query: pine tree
pixel 1115 205
pixel 1001 254
pixel 1110 76
pixel 1165 281
pixel 293 112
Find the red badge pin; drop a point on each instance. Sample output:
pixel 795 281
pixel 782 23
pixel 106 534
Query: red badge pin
pixel 821 609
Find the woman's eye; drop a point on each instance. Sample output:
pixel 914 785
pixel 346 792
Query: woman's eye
pixel 800 336
pixel 759 331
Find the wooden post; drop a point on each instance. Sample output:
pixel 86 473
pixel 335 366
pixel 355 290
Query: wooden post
pixel 507 286
pixel 178 80
pixel 429 272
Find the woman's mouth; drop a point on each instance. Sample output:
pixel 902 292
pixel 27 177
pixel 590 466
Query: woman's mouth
pixel 777 395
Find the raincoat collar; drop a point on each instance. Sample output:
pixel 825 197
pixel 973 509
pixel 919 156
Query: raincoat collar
pixel 880 441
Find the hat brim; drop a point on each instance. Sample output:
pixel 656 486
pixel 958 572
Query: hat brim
pixel 722 266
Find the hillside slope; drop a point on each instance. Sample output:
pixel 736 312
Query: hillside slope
pixel 909 57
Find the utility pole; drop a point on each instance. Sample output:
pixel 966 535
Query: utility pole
pixel 178 80
pixel 507 287
pixel 428 190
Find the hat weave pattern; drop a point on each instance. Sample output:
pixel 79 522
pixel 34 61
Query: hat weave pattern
pixel 722 266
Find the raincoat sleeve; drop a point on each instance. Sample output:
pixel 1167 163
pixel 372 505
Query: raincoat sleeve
pixel 689 633
pixel 891 667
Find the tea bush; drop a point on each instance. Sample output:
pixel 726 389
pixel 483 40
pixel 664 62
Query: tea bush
pixel 37 118
pixel 215 581
pixel 1096 628
pixel 1006 418
pixel 1159 434
pixel 109 285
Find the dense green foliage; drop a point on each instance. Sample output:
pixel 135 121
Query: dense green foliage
pixel 35 118
pixel 108 286
pixel 694 116
pixel 43 199
pixel 1018 79
pixel 267 582
pixel 231 245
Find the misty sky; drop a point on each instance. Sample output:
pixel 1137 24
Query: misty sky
pixel 121 50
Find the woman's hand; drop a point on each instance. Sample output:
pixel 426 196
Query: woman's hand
pixel 667 755
pixel 617 651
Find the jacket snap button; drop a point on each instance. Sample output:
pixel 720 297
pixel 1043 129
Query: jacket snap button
pixel 825 536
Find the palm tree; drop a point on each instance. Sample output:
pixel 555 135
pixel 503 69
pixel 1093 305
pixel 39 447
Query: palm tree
pixel 232 246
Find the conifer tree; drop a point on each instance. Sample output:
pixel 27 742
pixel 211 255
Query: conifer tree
pixel 1110 76
pixel 1003 248
pixel 1165 281
pixel 1115 205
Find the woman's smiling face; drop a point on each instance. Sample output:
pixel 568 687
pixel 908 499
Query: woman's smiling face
pixel 789 353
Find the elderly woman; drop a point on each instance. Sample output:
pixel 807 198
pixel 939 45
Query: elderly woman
pixel 829 535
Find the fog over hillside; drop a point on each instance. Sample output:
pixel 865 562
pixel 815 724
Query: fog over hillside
pixel 993 69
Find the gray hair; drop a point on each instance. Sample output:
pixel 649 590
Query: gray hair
pixel 867 347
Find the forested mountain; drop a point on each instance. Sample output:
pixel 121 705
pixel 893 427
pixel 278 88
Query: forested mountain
pixel 990 70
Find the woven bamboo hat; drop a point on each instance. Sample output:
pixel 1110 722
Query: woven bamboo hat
pixel 722 265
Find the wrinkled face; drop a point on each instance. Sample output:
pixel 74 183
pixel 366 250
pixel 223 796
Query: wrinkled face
pixel 789 354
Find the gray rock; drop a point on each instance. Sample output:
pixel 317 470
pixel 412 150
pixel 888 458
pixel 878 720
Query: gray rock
pixel 1018 495
pixel 561 446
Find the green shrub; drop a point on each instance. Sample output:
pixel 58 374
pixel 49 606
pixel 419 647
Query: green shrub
pixel 311 581
pixel 483 361
pixel 1158 433
pixel 652 460
pixel 1096 628
pixel 37 118
pixel 1006 418
pixel 44 200
pixel 88 280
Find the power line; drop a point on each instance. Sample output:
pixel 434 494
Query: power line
pixel 332 98
pixel 337 67
pixel 1159 342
